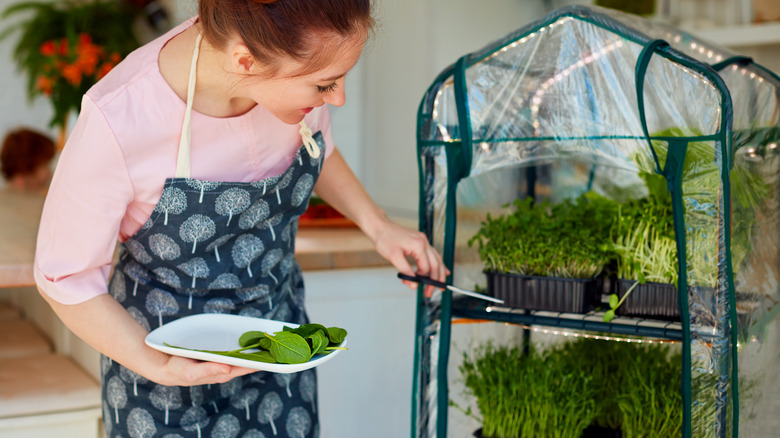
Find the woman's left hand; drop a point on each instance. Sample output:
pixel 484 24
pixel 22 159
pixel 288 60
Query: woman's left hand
pixel 397 244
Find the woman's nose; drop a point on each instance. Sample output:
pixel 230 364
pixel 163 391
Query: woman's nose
pixel 337 97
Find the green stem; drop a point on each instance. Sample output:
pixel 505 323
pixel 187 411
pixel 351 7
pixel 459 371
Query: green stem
pixel 626 295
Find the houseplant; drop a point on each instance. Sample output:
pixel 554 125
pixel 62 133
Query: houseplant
pixel 534 394
pixel 542 256
pixel 644 239
pixel 645 253
pixel 575 387
pixel 65 46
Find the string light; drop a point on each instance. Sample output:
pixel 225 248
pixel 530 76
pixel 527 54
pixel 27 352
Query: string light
pixel 600 337
pixel 536 101
pixel 588 335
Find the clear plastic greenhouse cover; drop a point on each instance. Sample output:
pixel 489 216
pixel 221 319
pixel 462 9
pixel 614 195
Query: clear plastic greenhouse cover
pixel 589 99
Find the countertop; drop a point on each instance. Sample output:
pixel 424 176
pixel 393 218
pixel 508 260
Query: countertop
pixel 316 248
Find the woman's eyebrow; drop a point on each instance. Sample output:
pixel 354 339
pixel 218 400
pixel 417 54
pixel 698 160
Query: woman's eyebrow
pixel 333 78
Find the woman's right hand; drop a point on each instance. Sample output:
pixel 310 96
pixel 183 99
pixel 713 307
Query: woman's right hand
pixel 182 371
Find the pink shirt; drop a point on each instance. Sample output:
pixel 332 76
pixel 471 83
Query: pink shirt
pixel 124 145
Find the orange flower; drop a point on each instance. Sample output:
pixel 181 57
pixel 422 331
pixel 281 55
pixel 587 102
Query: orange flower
pixel 104 69
pixel 64 46
pixel 45 84
pixel 72 74
pixel 87 61
pixel 85 39
pixel 47 48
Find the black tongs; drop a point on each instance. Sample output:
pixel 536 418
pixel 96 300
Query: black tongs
pixel 442 285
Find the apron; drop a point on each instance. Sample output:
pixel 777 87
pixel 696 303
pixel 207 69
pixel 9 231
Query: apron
pixel 216 247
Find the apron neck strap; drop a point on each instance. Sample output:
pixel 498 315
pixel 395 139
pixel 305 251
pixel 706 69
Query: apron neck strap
pixel 308 141
pixel 183 158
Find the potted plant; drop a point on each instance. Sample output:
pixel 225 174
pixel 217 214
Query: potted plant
pixel 652 400
pixel 65 46
pixel 583 388
pixel 542 256
pixel 643 236
pixel 533 394
pixel 645 254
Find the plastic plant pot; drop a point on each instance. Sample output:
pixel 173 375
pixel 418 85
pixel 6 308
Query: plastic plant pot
pixel 648 300
pixel 595 431
pixel 567 295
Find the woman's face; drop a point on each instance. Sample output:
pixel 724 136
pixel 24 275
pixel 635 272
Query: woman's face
pixel 290 97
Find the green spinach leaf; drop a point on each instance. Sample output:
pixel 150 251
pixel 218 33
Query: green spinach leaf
pixel 289 348
pixel 336 335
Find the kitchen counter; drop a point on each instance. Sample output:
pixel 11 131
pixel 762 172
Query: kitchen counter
pixel 316 248
pixel 19 217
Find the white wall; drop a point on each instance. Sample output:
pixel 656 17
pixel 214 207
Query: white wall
pixel 414 42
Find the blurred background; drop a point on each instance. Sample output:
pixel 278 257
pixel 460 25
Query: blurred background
pixel 375 129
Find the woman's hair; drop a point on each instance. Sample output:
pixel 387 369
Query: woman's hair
pixel 24 151
pixel 273 29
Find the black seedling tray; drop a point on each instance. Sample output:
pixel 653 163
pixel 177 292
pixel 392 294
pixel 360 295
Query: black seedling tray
pixel 569 295
pixel 648 300
pixel 601 432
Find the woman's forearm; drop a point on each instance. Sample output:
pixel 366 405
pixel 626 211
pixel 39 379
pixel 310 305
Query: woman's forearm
pixel 339 187
pixel 107 327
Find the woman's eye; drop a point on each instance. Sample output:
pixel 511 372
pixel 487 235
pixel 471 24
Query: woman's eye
pixel 327 89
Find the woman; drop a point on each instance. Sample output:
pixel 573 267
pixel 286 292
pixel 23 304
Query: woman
pixel 199 151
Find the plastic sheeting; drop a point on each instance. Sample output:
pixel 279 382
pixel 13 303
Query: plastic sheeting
pixel 554 110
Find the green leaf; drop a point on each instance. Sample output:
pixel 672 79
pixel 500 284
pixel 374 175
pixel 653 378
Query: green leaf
pixel 319 341
pixel 609 315
pixel 289 348
pixel 262 356
pixel 613 301
pixel 305 330
pixel 259 356
pixel 250 338
pixel 336 335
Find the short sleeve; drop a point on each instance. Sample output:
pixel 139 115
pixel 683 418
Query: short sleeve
pixel 88 198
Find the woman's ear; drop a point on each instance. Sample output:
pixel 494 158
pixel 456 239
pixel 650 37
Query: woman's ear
pixel 242 60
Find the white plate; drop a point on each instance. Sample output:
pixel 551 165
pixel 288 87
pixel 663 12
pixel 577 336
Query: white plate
pixel 220 332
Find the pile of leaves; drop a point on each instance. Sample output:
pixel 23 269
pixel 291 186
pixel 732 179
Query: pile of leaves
pixel 289 346
pixel 568 239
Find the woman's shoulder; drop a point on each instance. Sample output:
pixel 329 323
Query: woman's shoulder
pixel 137 79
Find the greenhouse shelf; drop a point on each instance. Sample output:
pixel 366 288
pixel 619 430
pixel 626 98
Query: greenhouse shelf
pixel 592 321
pixel 589 103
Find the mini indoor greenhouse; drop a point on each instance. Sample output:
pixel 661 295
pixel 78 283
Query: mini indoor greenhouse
pixel 590 102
